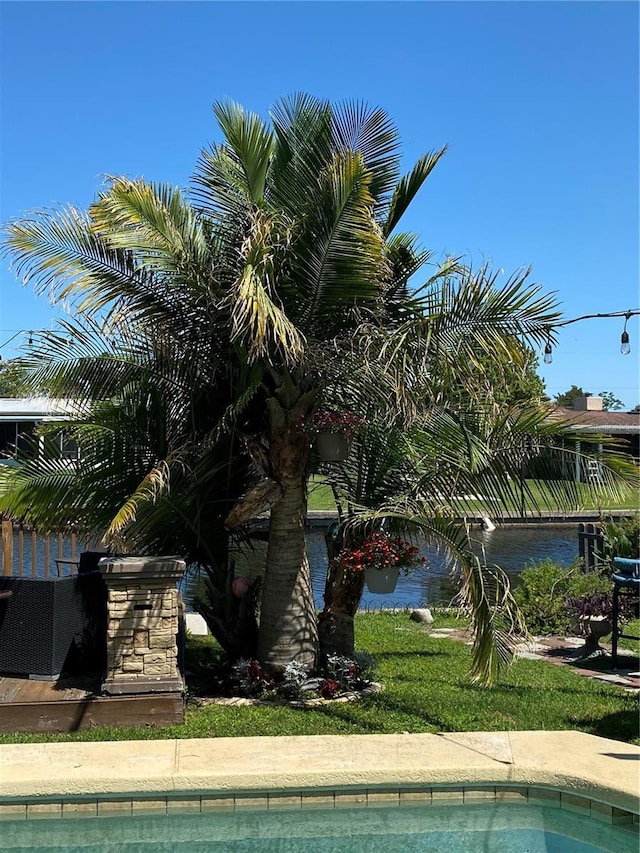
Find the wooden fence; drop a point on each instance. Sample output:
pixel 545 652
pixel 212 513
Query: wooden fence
pixel 28 552
pixel 590 543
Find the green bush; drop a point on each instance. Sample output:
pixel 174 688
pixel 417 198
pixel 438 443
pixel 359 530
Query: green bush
pixel 543 588
pixel 622 538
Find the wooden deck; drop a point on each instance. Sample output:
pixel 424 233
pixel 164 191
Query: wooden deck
pixel 74 703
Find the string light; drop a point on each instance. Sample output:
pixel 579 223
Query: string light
pixel 625 348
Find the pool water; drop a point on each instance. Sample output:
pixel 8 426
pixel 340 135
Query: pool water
pixel 494 828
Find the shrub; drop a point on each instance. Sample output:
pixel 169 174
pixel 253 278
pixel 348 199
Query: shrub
pixel 622 538
pixel 543 589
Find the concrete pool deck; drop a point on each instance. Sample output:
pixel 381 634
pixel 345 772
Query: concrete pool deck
pixel 582 765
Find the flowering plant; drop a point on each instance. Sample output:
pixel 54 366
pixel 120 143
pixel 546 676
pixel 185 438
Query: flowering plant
pixel 329 688
pixel 328 421
pixel 348 673
pixel 382 551
pixel 594 604
pixel 253 680
pixel 337 676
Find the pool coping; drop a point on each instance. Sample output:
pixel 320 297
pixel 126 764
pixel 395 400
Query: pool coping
pixel 578 764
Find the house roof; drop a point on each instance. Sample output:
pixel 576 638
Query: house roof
pixel 598 421
pixel 34 409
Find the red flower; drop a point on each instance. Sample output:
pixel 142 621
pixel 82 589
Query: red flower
pixel 328 688
pixel 380 550
pixel 328 421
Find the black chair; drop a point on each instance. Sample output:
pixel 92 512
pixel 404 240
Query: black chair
pixel 89 560
pixel 626 583
pixel 52 625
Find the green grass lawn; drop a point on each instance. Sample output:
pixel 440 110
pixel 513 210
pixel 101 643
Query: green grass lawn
pixel 321 498
pixel 426 689
pixel 630 501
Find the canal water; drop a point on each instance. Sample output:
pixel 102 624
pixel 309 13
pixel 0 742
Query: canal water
pixel 510 547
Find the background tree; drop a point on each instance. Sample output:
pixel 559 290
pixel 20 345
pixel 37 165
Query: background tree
pixel 507 381
pixel 610 403
pixel 14 380
pixel 568 398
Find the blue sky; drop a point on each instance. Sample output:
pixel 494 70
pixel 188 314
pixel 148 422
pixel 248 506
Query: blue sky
pixel 538 102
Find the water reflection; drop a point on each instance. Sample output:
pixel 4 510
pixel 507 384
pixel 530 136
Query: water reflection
pixel 512 548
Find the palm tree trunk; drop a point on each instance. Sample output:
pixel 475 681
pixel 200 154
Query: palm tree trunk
pixel 342 594
pixel 288 625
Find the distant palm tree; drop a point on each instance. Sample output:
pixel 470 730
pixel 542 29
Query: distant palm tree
pixel 208 331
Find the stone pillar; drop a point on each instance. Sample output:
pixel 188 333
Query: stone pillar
pixel 143 607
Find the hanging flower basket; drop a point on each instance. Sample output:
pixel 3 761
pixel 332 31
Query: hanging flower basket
pixel 381 581
pixel 333 432
pixel 381 557
pixel 325 420
pixel 332 446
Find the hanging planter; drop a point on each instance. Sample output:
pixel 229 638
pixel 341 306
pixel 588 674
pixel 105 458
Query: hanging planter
pixel 381 557
pixel 333 432
pixel 332 446
pixel 381 581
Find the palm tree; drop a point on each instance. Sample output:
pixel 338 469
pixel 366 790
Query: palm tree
pixel 209 329
pixel 455 461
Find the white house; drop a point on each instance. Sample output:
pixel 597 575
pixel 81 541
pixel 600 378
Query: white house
pixel 19 418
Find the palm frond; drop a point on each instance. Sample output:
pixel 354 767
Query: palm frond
pixel 497 623
pixel 219 190
pixel 257 321
pixel 153 221
pixel 304 147
pixel 408 187
pixel 154 484
pixel 61 256
pixel 485 593
pixel 405 258
pixel 251 141
pixel 339 257
pixel 467 315
pixel 359 128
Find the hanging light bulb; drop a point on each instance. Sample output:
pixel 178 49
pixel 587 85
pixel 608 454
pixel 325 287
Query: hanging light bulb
pixel 625 347
pixel 30 339
pixel 548 353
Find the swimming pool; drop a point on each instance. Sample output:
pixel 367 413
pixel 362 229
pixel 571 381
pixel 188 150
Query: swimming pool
pixel 447 820
pixel 459 791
